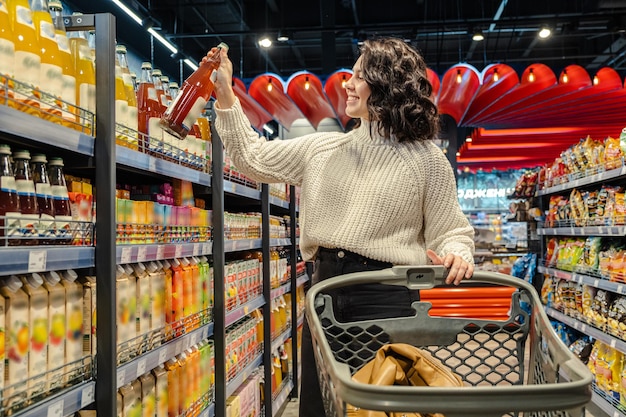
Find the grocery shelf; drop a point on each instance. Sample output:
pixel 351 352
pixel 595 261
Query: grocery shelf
pixel 582 231
pixel 236 382
pixel 580 182
pixel 300 320
pixel 282 397
pixel 588 329
pixel 281 339
pixel 244 310
pixel 130 371
pixel 18 123
pixel 236 245
pixel 65 403
pixel 605 403
pixel 283 289
pixel 125 254
pixel 301 280
pixel 209 411
pixel 21 260
pixel 280 242
pixel 145 162
pixel 241 190
pixel 278 202
pixel 596 282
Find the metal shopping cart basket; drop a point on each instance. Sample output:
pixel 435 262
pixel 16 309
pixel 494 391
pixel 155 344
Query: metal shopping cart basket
pixel 514 366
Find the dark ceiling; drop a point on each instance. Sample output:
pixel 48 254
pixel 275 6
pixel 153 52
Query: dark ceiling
pixel 325 34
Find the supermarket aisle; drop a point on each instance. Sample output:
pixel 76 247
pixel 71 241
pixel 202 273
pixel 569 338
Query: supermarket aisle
pixel 291 410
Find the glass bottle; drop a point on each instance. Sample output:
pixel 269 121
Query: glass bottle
pixel 147 105
pixel 121 107
pixel 68 90
pixel 173 90
pixel 7 54
pixel 29 221
pixel 196 91
pixel 131 96
pixel 27 56
pixel 85 78
pixel 167 96
pixel 45 200
pixel 9 201
pixel 51 69
pixel 62 209
pixel 154 125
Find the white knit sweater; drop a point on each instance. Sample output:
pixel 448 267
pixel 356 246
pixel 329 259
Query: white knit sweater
pixel 382 199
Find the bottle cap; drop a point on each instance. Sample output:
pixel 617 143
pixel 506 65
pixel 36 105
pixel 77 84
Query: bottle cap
pixel 55 3
pixel 52 277
pixel 39 157
pixel 70 275
pixel 13 283
pixel 146 65
pixel 223 45
pixel 34 280
pixel 152 267
pixel 128 269
pixel 139 268
pixel 173 84
pixel 119 271
pixel 165 79
pixel 5 149
pixel 56 161
pixel 21 154
pixel 185 261
pixel 120 48
pixel 156 72
pixel 166 264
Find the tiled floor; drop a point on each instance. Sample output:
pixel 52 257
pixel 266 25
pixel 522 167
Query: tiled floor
pixel 291 410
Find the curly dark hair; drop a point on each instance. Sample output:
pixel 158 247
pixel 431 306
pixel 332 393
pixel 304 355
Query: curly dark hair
pixel 400 90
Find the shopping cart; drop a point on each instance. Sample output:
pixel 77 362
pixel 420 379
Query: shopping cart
pixel 515 366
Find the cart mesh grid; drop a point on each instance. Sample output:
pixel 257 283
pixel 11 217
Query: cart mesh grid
pixel 483 353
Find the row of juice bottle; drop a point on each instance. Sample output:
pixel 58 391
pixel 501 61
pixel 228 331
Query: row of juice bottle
pixel 51 72
pixel 246 400
pixel 41 334
pixel 183 385
pixel 160 300
pixel 34 200
pixel 244 342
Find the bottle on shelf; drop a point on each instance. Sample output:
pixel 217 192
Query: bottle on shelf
pixel 7 55
pixel 45 200
pixel 56 321
pixel 68 90
pixel 51 69
pixel 9 200
pixel 156 131
pixel 62 209
pixel 196 91
pixel 29 221
pixel 147 107
pixel 131 96
pixel 27 56
pixel 121 107
pixel 85 78
pixel 73 324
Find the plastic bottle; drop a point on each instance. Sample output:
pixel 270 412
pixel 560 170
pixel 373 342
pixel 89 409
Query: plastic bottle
pixel 196 91
pixel 85 77
pixel 51 70
pixel 7 54
pixel 9 201
pixel 131 96
pixel 68 90
pixel 29 221
pixel 62 210
pixel 45 200
pixel 27 56
pixel 147 106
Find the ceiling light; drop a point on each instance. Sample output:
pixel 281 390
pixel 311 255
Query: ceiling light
pixel 531 76
pixel 496 77
pixel 478 36
pixel 468 139
pixel 307 84
pixel 282 36
pixel 343 81
pixel 128 11
pixel 265 42
pixel 459 77
pixel 545 32
pixel 191 64
pixel 564 78
pixel 164 41
pixel 596 80
pixel 269 85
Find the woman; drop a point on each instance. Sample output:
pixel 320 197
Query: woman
pixel 382 194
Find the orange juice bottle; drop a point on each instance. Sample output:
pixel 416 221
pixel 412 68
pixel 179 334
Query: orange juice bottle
pixel 7 53
pixel 85 78
pixel 68 91
pixel 173 387
pixel 121 107
pixel 188 306
pixel 157 302
pixel 177 296
pixel 51 73
pixel 38 323
pixel 131 97
pixel 27 56
pixel 167 302
pixel 56 321
pixel 196 287
pixel 184 400
pixel 194 378
pixel 148 107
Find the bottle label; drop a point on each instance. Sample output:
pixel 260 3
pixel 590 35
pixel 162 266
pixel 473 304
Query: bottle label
pixel 59 192
pixel 68 95
pixel 152 94
pixel 43 190
pixel 63 42
pixel 121 112
pixel 87 97
pixel 29 225
pixel 23 16
pixel 155 131
pixel 46 225
pixel 7 184
pixel 194 113
pixel 28 72
pixel 25 188
pixel 52 82
pixel 7 57
pixel 46 30
pixel 63 226
pixel 84 52
pixel 12 224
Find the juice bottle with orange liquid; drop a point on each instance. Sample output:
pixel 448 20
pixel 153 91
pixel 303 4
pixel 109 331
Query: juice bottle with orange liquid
pixel 68 91
pixel 131 97
pixel 27 56
pixel 167 302
pixel 51 70
pixel 172 367
pixel 85 78
pixel 184 402
pixel 148 107
pixel 188 307
pixel 121 107
pixel 7 53
pixel 177 296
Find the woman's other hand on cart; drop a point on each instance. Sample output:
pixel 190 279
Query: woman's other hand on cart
pixel 458 268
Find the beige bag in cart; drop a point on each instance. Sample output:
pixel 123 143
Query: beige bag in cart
pixel 403 364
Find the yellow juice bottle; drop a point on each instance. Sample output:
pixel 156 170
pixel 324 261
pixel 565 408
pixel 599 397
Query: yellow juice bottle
pixel 188 308
pixel 51 69
pixel 56 335
pixel 196 288
pixel 160 381
pixel 7 54
pixel 173 387
pixel 196 370
pixel 121 107
pixel 131 97
pixel 148 395
pixel 203 268
pixel 131 399
pixel 157 298
pixel 68 90
pixel 27 56
pixel 177 296
pixel 85 78
pixel 16 341
pixel 73 323
pixel 38 323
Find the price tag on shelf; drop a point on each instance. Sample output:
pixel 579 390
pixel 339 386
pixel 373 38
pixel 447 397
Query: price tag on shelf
pixel 87 396
pixel 178 252
pixel 37 260
pixel 206 248
pixel 160 252
pixel 142 253
pixel 162 356
pixel 121 376
pixel 620 289
pixel 613 343
pixel 141 367
pixel 596 283
pixel 152 162
pixel 194 339
pixel 179 347
pixel 126 255
pixel 55 409
pixel 196 249
pixel 233 187
pixel 583 328
pixel 246 309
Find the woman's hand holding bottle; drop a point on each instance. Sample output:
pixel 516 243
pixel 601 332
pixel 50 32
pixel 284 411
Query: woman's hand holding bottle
pixel 224 79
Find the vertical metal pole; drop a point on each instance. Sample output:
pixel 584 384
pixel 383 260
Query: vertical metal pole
pixel 294 300
pixel 219 259
pixel 104 153
pixel 267 295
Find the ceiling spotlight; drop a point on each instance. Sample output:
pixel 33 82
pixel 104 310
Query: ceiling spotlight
pixel 565 78
pixel 343 81
pixel 282 36
pixel 478 36
pixel 531 76
pixel 545 32
pixel 596 80
pixel 269 85
pixel 265 42
pixel 496 76
pixel 307 84
pixel 459 77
